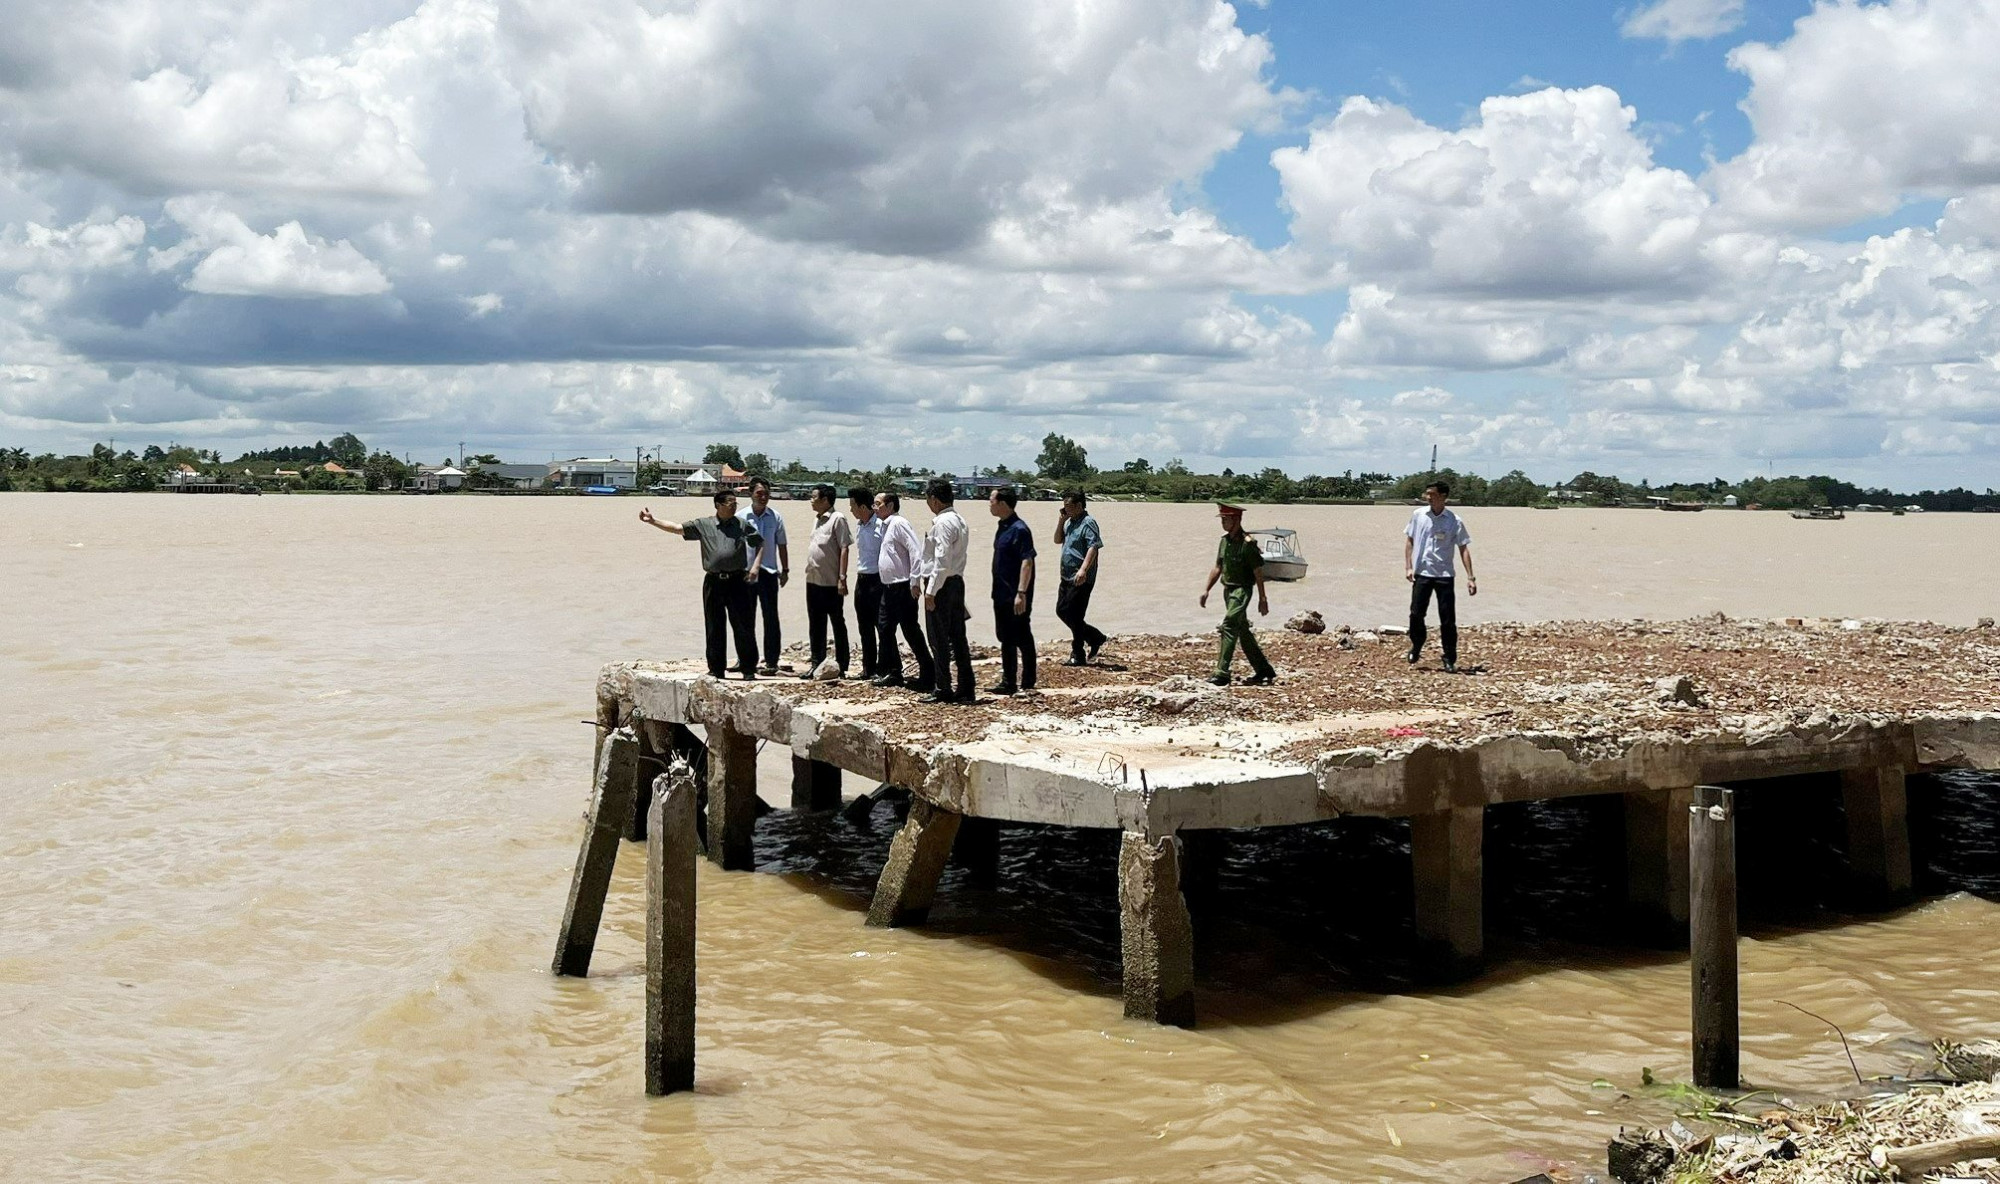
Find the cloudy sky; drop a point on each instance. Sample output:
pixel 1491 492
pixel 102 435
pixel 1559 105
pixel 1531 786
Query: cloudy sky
pixel 1683 238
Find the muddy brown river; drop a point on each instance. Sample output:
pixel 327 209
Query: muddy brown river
pixel 291 791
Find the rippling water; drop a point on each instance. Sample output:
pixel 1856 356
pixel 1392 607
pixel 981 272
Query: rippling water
pixel 291 792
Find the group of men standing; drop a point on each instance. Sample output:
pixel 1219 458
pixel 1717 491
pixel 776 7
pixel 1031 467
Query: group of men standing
pixel 903 587
pixel 915 588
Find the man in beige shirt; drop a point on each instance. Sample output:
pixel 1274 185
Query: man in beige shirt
pixel 826 580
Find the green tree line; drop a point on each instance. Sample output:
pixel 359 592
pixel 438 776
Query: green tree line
pixel 1062 463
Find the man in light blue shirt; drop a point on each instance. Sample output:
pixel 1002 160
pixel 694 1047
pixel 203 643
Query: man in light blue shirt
pixel 1428 542
pixel 1081 542
pixel 774 561
pixel 868 577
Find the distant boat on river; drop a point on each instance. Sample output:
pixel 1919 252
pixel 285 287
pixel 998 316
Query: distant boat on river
pixel 1819 514
pixel 1283 561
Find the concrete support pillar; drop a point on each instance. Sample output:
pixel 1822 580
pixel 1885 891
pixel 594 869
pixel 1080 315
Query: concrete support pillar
pixel 978 851
pixel 916 861
pixel 1447 855
pixel 732 797
pixel 815 784
pixel 1157 938
pixel 1711 831
pixel 610 813
pixel 1878 830
pixel 670 919
pixel 1656 860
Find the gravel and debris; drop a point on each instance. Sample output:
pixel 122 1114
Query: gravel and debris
pixel 1843 1142
pixel 1612 682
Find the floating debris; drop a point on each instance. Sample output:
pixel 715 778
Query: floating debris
pixel 1899 1136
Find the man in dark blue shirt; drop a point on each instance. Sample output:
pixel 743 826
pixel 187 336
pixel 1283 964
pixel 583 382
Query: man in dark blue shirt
pixel 1013 594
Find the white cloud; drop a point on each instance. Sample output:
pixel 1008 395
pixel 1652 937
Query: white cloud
pixel 1549 194
pixel 1432 398
pixel 288 262
pixel 49 263
pixel 886 126
pixel 161 99
pixel 1684 20
pixel 890 234
pixel 1865 105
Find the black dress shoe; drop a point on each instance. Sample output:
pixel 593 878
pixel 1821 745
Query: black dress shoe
pixel 1001 688
pixel 937 697
pixel 1260 680
pixel 1221 680
pixel 889 680
pixel 748 675
pixel 1074 662
pixel 1094 647
pixel 922 686
pixel 1411 657
pixel 1451 667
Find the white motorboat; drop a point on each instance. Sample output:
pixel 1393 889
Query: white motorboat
pixel 1283 561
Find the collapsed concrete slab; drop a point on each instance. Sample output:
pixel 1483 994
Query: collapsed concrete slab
pixel 1558 710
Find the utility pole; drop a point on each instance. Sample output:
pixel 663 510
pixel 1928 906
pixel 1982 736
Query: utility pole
pixel 461 454
pixel 1434 459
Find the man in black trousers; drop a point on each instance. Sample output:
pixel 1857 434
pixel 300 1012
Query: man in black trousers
pixel 901 557
pixel 826 581
pixel 774 562
pixel 867 578
pixel 728 548
pixel 945 548
pixel 1433 534
pixel 1013 594
pixel 1081 542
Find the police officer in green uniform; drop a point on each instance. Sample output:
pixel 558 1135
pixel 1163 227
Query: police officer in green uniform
pixel 1239 564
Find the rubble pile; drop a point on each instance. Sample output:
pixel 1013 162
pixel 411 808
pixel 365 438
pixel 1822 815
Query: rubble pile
pixel 1598 682
pixel 1872 1139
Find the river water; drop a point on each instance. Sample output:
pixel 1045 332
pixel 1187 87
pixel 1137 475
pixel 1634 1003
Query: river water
pixel 291 793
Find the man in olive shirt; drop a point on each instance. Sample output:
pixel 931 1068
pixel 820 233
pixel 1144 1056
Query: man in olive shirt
pixel 1239 563
pixel 727 545
pixel 826 581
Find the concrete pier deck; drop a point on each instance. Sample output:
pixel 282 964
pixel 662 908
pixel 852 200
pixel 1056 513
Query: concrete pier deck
pixel 1142 744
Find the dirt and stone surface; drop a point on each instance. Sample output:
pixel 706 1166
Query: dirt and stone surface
pixel 1612 681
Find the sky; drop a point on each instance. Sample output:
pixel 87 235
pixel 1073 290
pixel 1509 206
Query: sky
pixel 1677 240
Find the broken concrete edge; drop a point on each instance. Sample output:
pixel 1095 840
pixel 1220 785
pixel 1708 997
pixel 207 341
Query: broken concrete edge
pixel 1397 779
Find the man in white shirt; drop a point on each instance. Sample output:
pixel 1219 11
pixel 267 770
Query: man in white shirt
pixel 1428 542
pixel 898 566
pixel 867 578
pixel 826 580
pixel 774 561
pixel 944 595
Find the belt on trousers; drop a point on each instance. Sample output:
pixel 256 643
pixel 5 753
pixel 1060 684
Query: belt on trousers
pixel 727 575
